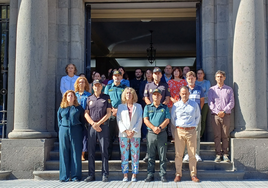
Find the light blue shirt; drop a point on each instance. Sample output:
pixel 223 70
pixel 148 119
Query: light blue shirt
pixel 205 84
pixel 166 78
pixel 123 81
pixel 67 83
pixel 185 114
pixel 82 99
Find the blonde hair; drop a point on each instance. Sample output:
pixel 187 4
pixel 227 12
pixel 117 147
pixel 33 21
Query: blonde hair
pixel 190 73
pixel 76 84
pixel 133 92
pixel 64 102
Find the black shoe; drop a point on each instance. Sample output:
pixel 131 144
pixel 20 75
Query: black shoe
pixel 149 179
pixel 145 159
pixel 167 160
pixel 62 181
pixel 163 179
pixel 104 178
pixel 89 178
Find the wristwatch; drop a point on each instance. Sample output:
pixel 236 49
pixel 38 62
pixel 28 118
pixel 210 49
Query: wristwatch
pixel 160 127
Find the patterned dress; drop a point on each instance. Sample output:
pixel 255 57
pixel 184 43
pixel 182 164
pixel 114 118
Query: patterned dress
pixel 175 87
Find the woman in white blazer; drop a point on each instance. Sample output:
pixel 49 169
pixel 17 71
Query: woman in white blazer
pixel 129 120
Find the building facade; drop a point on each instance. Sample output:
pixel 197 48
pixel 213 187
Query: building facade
pixel 46 35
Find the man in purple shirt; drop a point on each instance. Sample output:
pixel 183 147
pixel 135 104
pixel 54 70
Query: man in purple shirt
pixel 221 102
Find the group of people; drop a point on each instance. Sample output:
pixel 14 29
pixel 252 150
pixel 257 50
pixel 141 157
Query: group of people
pixel 171 106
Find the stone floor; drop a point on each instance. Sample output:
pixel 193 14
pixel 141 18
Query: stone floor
pixel 139 184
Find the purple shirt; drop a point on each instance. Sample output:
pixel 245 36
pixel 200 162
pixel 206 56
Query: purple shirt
pixel 221 99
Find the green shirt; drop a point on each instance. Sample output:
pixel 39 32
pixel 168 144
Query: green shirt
pixel 115 93
pixel 156 115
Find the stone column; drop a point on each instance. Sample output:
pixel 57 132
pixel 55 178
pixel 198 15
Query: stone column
pixel 31 71
pixel 249 71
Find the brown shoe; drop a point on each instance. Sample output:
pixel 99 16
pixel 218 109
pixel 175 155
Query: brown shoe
pixel 83 156
pixel 177 178
pixel 195 179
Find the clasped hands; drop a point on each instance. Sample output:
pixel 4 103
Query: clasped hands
pixel 96 126
pixel 221 114
pixel 156 130
pixel 130 134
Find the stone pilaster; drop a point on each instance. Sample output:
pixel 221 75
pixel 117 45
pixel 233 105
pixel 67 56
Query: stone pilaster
pixel 249 71
pixel 31 71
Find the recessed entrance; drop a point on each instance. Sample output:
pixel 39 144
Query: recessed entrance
pixel 120 35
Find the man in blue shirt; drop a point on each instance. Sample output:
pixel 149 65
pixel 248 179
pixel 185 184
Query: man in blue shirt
pixel 156 118
pixel 185 115
pixel 197 95
pixel 114 90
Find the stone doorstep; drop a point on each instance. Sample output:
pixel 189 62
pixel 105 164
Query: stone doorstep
pixel 203 146
pixel 116 164
pixel 4 175
pixel 205 155
pixel 117 175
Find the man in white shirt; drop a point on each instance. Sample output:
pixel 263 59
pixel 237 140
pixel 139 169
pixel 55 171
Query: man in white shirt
pixel 185 115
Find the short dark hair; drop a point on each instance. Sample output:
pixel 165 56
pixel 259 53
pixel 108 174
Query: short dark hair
pixel 176 68
pixel 220 72
pixel 184 87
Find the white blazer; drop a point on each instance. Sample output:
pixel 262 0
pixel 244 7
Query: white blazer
pixel 124 122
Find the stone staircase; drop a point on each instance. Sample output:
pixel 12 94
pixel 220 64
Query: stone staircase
pixel 207 169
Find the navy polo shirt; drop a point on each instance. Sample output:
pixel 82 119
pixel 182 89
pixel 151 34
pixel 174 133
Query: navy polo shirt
pixel 115 93
pixel 156 115
pixel 98 106
pixel 149 87
pixel 196 94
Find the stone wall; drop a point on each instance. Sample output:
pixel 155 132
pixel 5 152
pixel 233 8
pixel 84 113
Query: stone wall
pixel 217 44
pixel 70 21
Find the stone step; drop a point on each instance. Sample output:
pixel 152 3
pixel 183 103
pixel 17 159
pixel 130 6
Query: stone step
pixel 143 147
pixel 116 165
pixel 117 175
pixel 205 155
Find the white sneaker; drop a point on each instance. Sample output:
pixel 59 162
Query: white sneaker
pixel 186 158
pixel 198 158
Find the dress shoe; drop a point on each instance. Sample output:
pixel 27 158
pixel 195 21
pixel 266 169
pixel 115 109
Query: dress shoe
pixel 89 178
pixel 164 179
pixel 195 179
pixel 177 178
pixel 104 178
pixel 149 179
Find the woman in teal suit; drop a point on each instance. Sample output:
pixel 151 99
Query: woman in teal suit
pixel 70 122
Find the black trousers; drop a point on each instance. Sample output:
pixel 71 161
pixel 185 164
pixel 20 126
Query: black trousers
pixel 113 128
pixel 103 138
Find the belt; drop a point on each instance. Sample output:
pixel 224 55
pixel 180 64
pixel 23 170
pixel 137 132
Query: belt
pixel 217 114
pixel 186 128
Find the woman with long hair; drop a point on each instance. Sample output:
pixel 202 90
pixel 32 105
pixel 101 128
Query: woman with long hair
pixel 129 120
pixel 70 121
pixel 81 88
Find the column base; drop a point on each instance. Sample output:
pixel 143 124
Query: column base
pixel 31 135
pixel 249 134
pixel 23 156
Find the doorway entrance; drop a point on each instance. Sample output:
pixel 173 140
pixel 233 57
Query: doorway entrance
pixel 118 34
